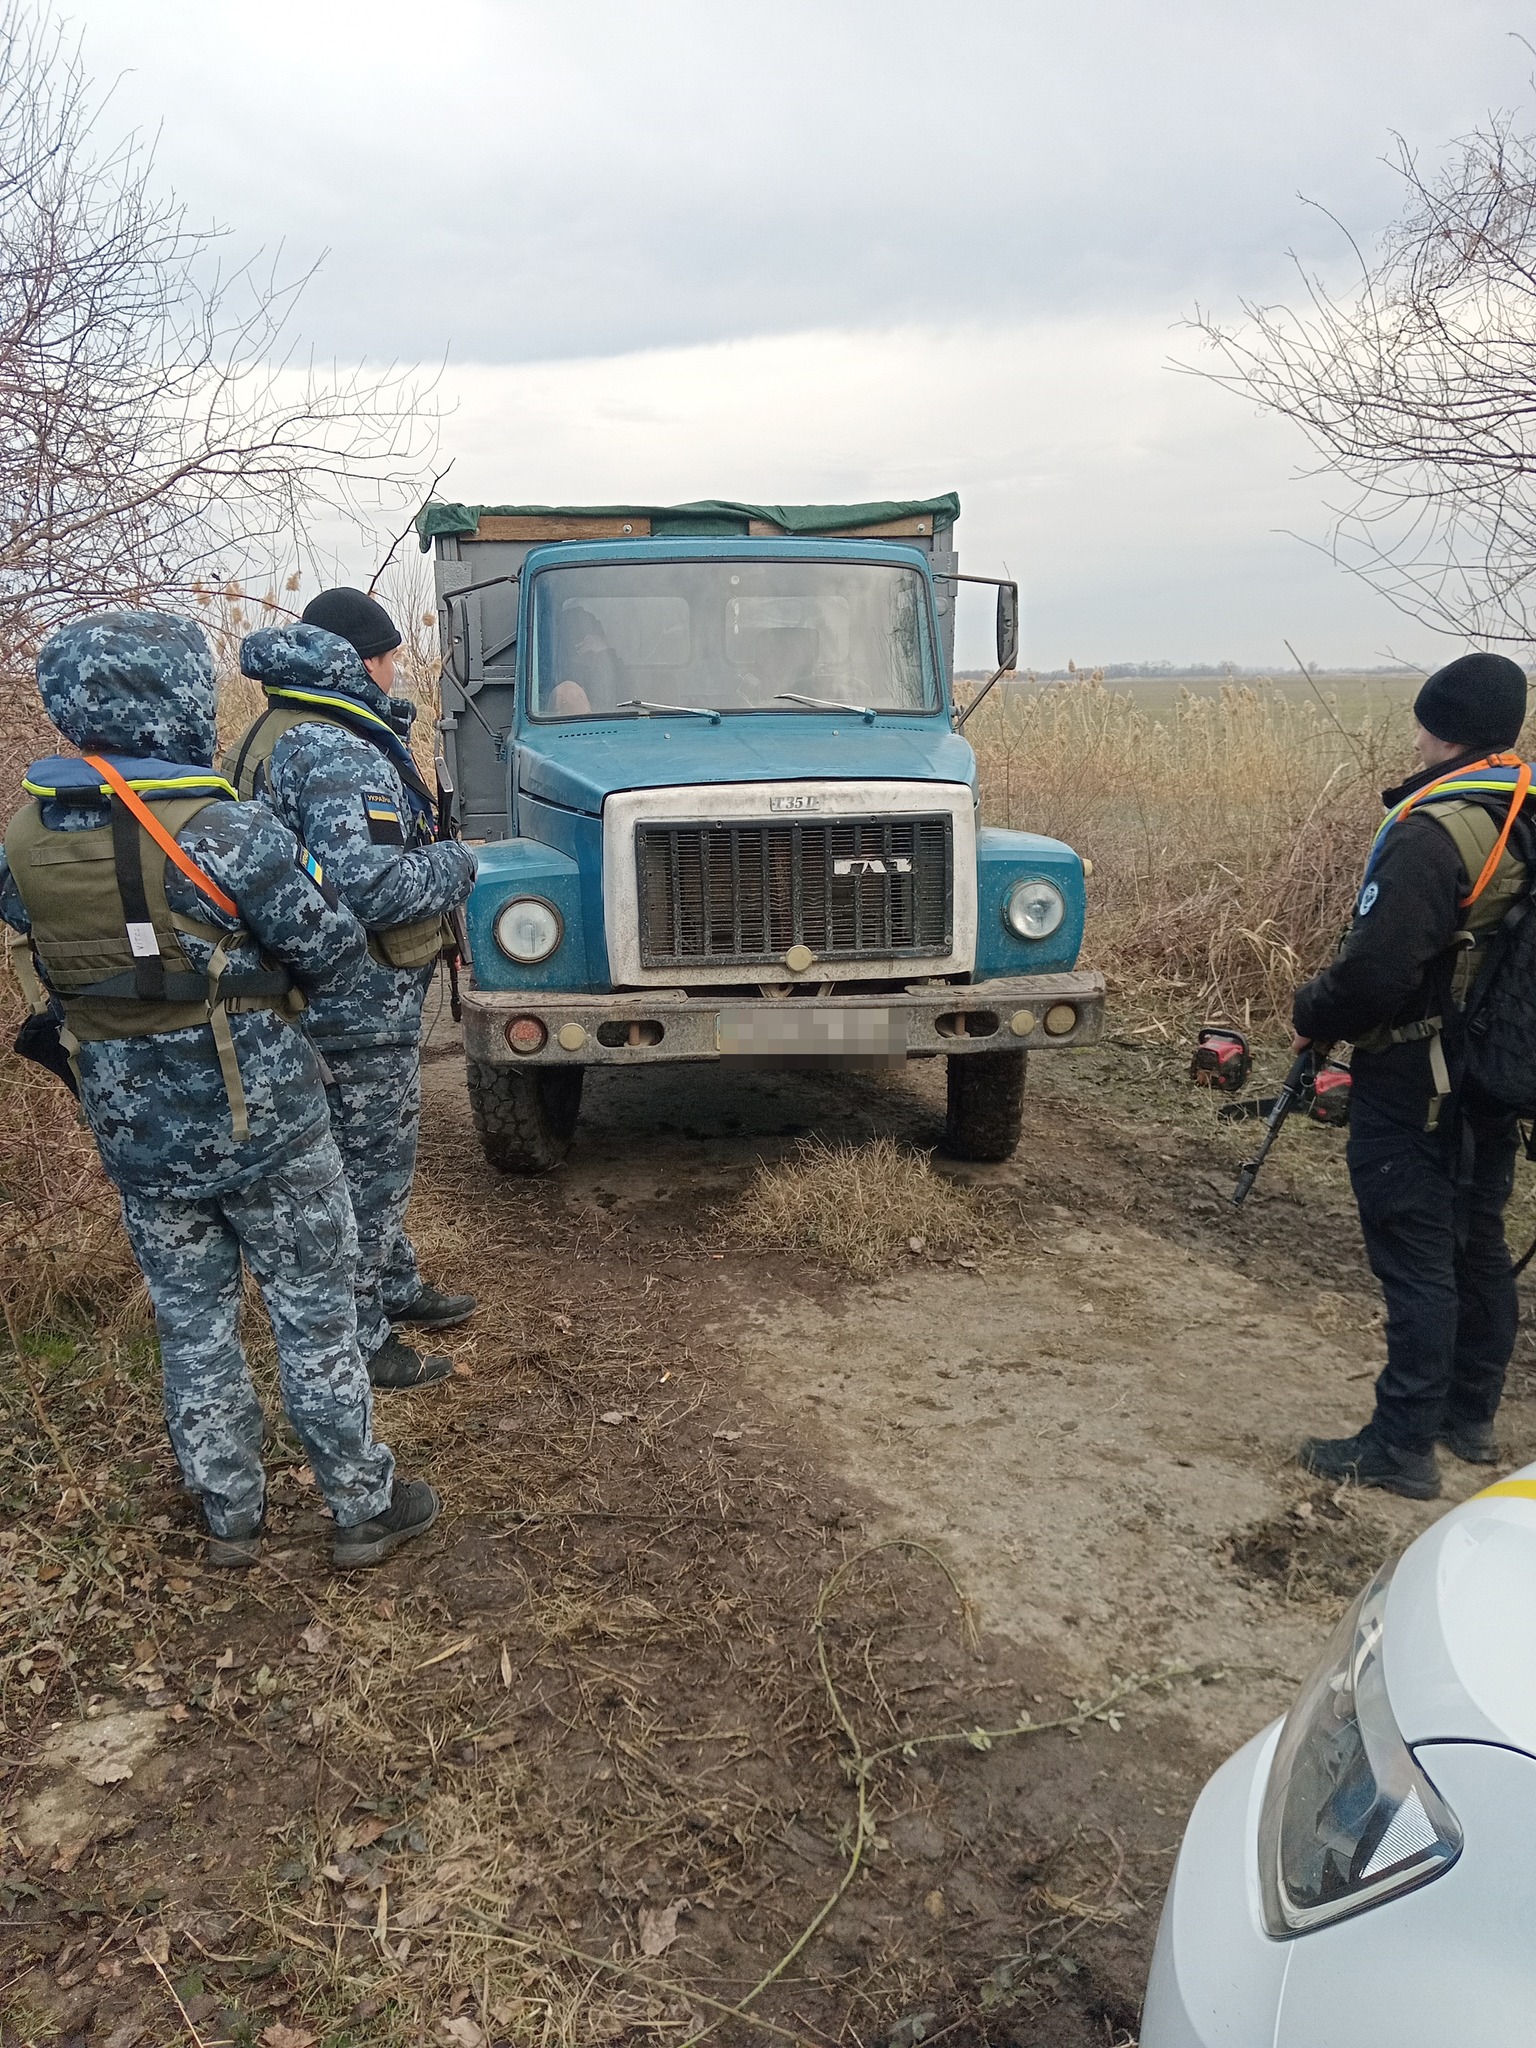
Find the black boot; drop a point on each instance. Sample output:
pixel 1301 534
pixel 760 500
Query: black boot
pixel 1368 1459
pixel 435 1310
pixel 235 1553
pixel 395 1365
pixel 413 1508
pixel 1473 1442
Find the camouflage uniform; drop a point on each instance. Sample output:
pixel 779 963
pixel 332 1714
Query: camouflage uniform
pixel 345 799
pixel 193 1197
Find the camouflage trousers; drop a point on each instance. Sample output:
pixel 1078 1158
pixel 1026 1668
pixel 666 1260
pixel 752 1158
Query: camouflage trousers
pixel 294 1230
pixel 375 1097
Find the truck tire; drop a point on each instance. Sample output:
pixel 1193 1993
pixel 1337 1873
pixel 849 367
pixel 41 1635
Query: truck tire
pixel 525 1117
pixel 986 1105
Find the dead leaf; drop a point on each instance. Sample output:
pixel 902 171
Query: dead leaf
pixel 969 1264
pixel 315 1638
pixel 452 1650
pixel 107 1772
pixel 156 1945
pixel 917 1244
pixel 658 1926
pixel 420 1912
pixel 384 1609
pixel 461 1371
pixel 178 1712
pixel 506 1668
pixel 463 2032
pixel 225 1661
pixel 69 1854
pixel 500 1738
pixel 367 1831
pixel 303 1475
pixel 614 1416
pixel 279 2036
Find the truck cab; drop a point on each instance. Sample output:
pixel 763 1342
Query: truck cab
pixel 709 758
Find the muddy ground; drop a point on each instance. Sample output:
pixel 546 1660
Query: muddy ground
pixel 728 1537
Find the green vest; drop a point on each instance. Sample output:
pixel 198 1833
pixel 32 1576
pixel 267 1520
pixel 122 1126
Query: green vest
pixel 416 944
pixel 84 920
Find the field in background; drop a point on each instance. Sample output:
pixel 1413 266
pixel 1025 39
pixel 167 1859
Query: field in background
pixel 1226 824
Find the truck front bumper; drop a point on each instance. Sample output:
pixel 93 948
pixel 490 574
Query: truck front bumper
pixel 1024 1013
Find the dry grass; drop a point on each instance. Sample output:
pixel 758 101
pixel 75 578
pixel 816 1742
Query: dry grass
pixel 856 1206
pixel 1227 838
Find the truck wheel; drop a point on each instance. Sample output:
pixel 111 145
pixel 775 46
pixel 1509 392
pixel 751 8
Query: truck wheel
pixel 525 1117
pixel 986 1105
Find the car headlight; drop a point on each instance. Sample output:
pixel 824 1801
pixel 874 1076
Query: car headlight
pixel 1349 1819
pixel 1034 909
pixel 528 930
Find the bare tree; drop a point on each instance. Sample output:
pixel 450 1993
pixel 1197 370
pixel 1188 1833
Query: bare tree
pixel 1417 388
pixel 157 424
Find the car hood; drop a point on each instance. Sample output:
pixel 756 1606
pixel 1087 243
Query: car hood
pixel 578 766
pixel 1459 1647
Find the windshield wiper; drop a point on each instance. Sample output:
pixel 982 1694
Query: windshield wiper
pixel 826 704
pixel 674 710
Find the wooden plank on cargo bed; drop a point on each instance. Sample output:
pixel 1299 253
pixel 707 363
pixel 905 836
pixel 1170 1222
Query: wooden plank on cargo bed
pixel 888 529
pixel 558 526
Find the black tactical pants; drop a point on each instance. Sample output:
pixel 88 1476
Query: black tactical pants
pixel 1432 1215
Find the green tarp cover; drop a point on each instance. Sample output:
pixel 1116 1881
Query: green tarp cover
pixel 709 516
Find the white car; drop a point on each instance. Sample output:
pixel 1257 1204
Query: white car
pixel 1363 1874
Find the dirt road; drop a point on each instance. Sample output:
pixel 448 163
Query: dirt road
pixel 597 1756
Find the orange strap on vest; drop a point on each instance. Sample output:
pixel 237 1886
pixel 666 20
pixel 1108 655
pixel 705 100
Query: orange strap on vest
pixel 167 845
pixel 1522 788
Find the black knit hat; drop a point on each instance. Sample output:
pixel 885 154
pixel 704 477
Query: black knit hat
pixel 1477 701
pixel 352 615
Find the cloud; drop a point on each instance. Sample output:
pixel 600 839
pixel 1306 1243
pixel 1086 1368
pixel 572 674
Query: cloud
pixel 1139 509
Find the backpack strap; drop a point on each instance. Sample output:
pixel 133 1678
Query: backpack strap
pixel 163 839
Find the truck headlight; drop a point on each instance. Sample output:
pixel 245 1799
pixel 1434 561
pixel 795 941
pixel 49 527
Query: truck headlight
pixel 1349 1819
pixel 528 930
pixel 1034 909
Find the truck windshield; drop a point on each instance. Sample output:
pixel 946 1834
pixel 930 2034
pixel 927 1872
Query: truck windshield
pixel 612 639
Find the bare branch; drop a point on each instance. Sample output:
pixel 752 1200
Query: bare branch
pixel 159 424
pixel 1417 389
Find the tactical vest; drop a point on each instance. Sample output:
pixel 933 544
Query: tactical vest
pixel 1474 832
pixel 416 944
pixel 110 943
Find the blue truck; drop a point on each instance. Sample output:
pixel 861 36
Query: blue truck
pixel 710 757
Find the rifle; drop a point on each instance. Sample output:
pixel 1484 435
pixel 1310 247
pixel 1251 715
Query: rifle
pixel 1292 1091
pixel 448 828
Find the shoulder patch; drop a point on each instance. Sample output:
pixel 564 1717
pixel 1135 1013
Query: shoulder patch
pixel 385 827
pixel 1368 897
pixel 316 874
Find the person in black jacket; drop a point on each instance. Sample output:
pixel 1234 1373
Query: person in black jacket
pixel 1431 1172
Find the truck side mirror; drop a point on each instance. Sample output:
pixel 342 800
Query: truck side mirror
pixel 1007 625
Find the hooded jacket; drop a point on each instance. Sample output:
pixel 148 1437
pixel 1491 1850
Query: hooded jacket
pixel 342 791
pixel 135 685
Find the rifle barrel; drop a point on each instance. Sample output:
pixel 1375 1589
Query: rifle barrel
pixel 1285 1102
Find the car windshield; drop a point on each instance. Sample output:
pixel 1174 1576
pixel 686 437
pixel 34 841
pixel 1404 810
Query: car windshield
pixel 620 639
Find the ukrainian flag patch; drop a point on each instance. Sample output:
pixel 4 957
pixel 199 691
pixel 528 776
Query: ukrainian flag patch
pixel 383 816
pixel 316 874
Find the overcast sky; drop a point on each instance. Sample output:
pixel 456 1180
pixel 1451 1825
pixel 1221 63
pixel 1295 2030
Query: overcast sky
pixel 842 249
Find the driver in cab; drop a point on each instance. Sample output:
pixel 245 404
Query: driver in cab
pixel 591 681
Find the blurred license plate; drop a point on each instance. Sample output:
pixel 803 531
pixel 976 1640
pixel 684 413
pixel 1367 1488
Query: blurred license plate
pixel 792 1033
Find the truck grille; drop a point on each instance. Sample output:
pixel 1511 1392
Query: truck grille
pixel 871 888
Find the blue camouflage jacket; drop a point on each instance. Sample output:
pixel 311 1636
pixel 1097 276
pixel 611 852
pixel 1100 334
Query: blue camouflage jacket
pixel 347 800
pixel 141 684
